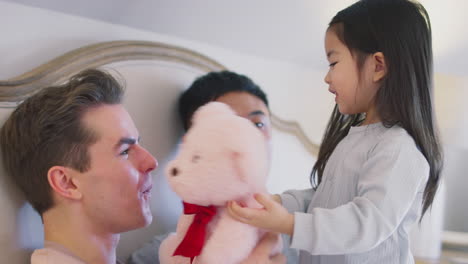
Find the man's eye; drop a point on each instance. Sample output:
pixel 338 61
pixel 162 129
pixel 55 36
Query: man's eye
pixel 259 124
pixel 125 152
pixel 333 64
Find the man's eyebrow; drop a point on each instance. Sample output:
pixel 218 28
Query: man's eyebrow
pixel 257 112
pixel 127 140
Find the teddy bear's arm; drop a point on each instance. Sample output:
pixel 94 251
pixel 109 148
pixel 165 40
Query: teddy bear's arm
pixel 230 242
pixel 169 245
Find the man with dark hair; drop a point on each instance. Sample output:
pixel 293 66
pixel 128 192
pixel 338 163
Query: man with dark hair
pixel 216 86
pixel 249 101
pixel 74 151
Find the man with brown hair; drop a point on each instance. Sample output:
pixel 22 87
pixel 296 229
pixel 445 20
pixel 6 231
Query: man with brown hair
pixel 74 152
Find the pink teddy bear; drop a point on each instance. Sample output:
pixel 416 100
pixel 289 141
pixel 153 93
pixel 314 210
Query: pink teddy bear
pixel 223 157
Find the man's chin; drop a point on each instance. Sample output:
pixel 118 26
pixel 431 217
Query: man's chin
pixel 143 221
pixel 141 224
pixel 148 220
pixel 146 216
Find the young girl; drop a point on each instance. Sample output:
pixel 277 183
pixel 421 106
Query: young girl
pixel 379 163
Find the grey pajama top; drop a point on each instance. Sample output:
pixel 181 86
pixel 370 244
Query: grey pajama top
pixel 369 198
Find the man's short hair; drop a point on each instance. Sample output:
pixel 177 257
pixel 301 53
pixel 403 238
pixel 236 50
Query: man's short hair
pixel 46 130
pixel 210 87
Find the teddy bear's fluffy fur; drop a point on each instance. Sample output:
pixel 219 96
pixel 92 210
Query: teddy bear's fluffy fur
pixel 223 157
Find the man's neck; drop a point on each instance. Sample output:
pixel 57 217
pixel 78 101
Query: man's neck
pixel 80 238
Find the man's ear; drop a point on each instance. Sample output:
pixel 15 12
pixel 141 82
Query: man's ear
pixel 61 180
pixel 380 66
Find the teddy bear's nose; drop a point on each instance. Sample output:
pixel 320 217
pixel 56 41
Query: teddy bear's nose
pixel 174 171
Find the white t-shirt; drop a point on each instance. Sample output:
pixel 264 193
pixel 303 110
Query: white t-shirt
pixel 54 253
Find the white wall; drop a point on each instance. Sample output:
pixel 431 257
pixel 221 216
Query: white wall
pixel 451 92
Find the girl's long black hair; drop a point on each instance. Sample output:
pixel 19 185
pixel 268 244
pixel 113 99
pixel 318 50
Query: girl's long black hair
pixel 401 30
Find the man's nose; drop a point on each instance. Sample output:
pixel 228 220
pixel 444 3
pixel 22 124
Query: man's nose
pixel 149 163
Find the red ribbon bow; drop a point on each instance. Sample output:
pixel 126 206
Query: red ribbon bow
pixel 192 244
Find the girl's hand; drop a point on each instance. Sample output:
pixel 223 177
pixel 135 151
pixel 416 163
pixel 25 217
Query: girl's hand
pixel 277 198
pixel 273 216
